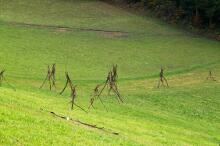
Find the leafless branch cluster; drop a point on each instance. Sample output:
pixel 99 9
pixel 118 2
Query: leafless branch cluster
pixel 73 92
pixel 162 79
pixel 210 76
pixel 110 84
pixel 50 77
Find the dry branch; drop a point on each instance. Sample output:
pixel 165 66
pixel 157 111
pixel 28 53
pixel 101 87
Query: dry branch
pixel 95 97
pixel 83 123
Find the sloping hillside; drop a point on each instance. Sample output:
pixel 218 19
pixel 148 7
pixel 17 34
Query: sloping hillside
pixel 85 38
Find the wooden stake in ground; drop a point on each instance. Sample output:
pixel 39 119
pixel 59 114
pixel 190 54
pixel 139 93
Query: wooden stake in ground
pixel 162 79
pixel 50 77
pixel 2 78
pixel 210 76
pixel 73 92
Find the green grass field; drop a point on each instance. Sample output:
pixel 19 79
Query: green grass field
pixel 85 38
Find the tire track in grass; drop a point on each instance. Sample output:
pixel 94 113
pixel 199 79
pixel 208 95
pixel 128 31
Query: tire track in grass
pixel 63 28
pixel 44 26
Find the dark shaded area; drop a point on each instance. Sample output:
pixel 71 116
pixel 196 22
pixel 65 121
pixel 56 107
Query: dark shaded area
pixel 198 13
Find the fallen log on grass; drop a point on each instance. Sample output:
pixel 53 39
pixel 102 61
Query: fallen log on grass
pixel 82 123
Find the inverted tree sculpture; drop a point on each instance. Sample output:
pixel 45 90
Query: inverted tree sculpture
pixel 73 92
pixel 50 77
pixel 95 96
pixel 210 76
pixel 92 99
pixel 162 79
pixel 68 81
pixel 111 84
pixel 2 78
pixel 115 72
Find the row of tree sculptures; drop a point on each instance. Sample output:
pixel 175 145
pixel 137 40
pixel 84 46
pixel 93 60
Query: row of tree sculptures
pixel 110 84
pixel 51 79
pixel 163 79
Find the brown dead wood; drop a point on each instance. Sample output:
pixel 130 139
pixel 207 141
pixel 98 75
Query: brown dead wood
pixel 211 77
pixel 162 79
pixel 82 123
pixel 73 92
pixel 50 77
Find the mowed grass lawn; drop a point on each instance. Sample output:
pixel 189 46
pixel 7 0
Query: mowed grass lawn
pixel 34 34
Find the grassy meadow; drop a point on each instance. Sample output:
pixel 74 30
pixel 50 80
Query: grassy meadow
pixel 85 37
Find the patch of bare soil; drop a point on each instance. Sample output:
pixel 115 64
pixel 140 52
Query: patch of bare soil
pixel 61 30
pixel 114 34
